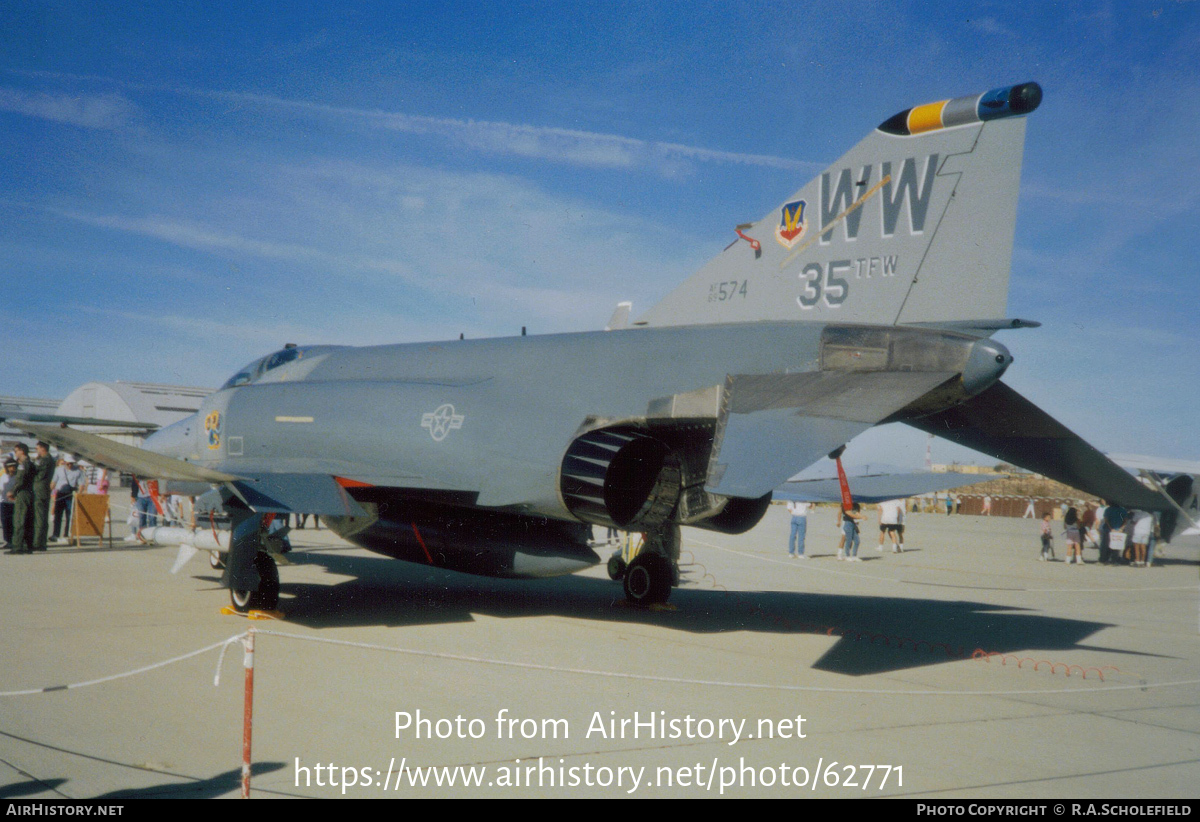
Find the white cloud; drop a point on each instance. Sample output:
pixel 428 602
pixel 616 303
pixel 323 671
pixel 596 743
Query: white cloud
pixel 239 339
pixel 990 25
pixel 95 111
pixel 562 145
pixel 490 251
pixel 570 146
pixel 189 234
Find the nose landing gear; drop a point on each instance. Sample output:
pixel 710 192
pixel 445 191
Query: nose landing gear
pixel 266 598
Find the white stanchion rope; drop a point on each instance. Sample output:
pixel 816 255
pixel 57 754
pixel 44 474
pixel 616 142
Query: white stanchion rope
pixel 224 645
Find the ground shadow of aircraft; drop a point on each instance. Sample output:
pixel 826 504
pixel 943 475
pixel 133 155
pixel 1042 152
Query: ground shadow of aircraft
pixel 396 594
pixel 115 548
pixel 29 787
pixel 211 788
pixel 185 786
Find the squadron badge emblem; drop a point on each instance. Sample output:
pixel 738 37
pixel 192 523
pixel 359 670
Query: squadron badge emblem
pixel 791 224
pixel 212 424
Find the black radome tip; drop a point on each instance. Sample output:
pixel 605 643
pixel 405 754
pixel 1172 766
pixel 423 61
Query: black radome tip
pixel 1024 98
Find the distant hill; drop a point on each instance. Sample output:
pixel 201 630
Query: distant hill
pixel 1029 487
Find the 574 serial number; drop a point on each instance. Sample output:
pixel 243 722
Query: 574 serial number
pixel 720 292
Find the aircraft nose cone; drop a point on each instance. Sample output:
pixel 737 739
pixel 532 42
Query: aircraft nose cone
pixel 987 362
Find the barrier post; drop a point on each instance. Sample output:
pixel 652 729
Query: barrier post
pixel 247 712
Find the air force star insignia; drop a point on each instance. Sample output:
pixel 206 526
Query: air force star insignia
pixel 442 421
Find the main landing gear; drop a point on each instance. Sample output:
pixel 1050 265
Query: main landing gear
pixel 649 576
pixel 648 580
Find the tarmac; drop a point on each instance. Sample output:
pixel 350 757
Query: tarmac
pixel 962 668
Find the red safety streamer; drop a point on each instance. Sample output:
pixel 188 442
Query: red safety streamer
pixel 847 500
pixel 422 542
pixel 152 487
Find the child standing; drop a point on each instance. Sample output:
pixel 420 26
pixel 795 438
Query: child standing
pixel 1047 539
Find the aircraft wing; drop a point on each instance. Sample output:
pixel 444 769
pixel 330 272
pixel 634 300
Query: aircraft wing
pixel 1158 465
pixel 874 488
pixel 264 492
pixel 1002 423
pixel 122 457
pixel 25 416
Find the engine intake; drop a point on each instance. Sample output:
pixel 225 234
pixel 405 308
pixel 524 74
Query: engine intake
pixel 620 478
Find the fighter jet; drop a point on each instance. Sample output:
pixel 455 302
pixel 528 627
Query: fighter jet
pixel 868 296
pixel 874 488
pixel 1179 480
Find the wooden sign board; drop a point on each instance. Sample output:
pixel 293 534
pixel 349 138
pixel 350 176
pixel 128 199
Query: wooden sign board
pixel 90 512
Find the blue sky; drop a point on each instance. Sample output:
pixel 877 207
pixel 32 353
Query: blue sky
pixel 188 188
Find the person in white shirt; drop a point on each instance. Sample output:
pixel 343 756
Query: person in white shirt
pixel 66 481
pixel 891 515
pixel 1143 526
pixel 7 505
pixel 799 512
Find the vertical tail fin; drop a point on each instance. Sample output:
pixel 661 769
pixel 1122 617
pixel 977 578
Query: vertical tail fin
pixel 912 225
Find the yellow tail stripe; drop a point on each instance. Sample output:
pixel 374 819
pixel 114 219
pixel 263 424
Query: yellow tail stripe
pixel 926 118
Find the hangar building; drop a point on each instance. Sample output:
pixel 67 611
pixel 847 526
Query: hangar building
pixel 134 402
pixel 13 407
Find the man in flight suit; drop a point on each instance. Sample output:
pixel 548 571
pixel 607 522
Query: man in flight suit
pixel 20 492
pixel 43 475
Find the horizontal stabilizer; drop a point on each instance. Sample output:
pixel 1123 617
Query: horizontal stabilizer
pixel 1158 465
pixel 1002 423
pixel 980 328
pixel 119 456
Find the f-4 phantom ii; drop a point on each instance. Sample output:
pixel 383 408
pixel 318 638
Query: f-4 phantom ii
pixel 869 296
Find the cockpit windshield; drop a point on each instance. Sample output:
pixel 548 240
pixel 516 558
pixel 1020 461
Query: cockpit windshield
pixel 243 377
pixel 255 370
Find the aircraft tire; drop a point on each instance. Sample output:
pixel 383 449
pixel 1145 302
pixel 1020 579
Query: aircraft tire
pixel 216 560
pixel 648 580
pixel 266 598
pixel 616 567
